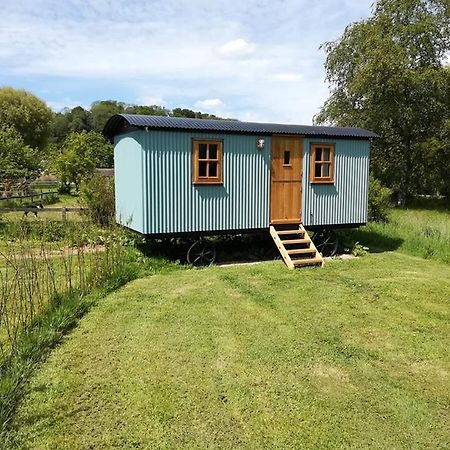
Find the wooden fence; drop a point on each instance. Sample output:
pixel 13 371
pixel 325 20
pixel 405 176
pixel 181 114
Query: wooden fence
pixel 38 211
pixel 32 196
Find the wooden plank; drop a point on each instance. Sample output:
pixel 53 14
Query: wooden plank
pixel 296 241
pixel 285 222
pixel 299 251
pixel 307 261
pixel 21 197
pixel 296 231
pixel 40 210
pixel 286 184
pixel 314 257
pixel 311 245
pixel 282 250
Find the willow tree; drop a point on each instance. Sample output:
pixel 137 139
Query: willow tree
pixel 387 73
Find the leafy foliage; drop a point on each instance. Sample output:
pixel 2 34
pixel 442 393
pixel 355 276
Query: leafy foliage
pixel 97 195
pixel 379 201
pixel 17 160
pixel 102 111
pixel 184 112
pixel 387 74
pixel 79 119
pixel 70 120
pixel 81 153
pixel 29 115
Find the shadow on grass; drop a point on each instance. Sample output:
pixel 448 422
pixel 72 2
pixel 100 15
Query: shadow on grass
pixel 430 204
pixel 376 241
pixel 235 248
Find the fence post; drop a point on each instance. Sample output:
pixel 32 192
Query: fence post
pixel 64 214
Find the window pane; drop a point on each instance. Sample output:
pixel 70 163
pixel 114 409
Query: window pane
pixel 202 165
pixel 319 154
pixel 287 157
pixel 326 170
pixel 213 169
pixel 212 151
pixel 326 154
pixel 202 151
pixel 317 171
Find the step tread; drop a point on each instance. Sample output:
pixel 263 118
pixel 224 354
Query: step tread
pixel 307 253
pixel 296 241
pixel 298 251
pixel 307 261
pixel 296 231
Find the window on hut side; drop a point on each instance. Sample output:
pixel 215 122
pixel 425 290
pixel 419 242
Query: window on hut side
pixel 322 163
pixel 207 162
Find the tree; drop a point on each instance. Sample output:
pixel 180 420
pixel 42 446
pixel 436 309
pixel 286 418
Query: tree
pixel 29 115
pixel 70 120
pixel 80 119
pixel 17 160
pixel 102 110
pixel 153 110
pixel 387 75
pixel 184 112
pixel 80 154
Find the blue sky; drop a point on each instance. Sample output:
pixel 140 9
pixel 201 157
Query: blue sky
pixel 256 60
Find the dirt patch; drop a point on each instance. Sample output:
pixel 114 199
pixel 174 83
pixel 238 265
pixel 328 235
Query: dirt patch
pixel 329 378
pixel 428 369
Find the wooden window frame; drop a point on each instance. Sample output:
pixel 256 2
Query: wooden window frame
pixel 284 158
pixel 313 163
pixel 196 178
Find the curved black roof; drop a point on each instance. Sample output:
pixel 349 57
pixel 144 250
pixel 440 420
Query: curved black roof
pixel 121 122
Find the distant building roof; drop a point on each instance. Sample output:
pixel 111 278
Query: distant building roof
pixel 122 122
pixel 107 172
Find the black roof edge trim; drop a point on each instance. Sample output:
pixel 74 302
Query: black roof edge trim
pixel 120 123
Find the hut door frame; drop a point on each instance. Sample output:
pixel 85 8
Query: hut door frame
pixel 286 179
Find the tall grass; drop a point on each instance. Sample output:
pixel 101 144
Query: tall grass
pixel 421 230
pixel 45 286
pixel 31 276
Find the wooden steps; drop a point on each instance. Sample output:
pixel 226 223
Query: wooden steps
pixel 295 246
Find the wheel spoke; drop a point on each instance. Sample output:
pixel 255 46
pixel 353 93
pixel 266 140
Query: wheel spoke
pixel 325 242
pixel 201 254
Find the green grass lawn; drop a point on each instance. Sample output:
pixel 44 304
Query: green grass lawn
pixel 421 230
pixel 354 355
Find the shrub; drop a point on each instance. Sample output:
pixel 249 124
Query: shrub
pixel 65 188
pixel 379 201
pixel 97 195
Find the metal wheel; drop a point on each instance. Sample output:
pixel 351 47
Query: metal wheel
pixel 326 242
pixel 201 253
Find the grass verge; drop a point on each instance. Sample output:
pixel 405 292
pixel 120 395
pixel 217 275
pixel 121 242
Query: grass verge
pixel 417 230
pixel 48 329
pixel 353 355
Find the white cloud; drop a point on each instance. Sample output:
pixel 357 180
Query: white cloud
pixel 239 48
pixel 190 54
pixel 150 100
pixel 212 106
pixel 286 76
pixel 210 103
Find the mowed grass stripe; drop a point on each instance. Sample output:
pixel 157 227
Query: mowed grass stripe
pixel 353 355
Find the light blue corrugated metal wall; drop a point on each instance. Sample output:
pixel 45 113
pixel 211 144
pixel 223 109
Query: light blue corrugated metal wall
pixel 128 181
pixel 345 201
pixel 173 204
